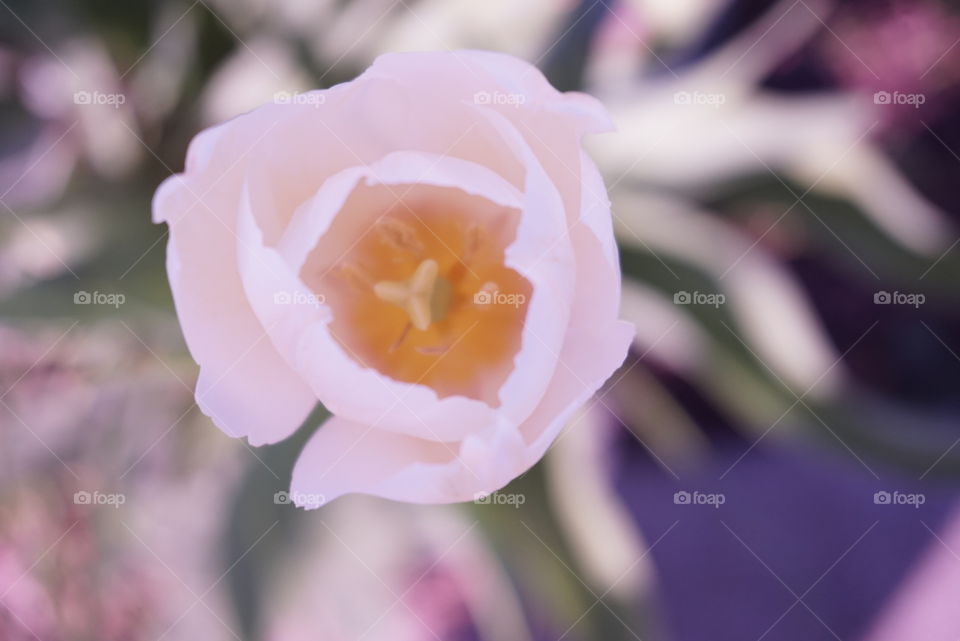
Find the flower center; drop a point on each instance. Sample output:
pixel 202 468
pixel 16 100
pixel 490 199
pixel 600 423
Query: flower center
pixel 419 288
pixel 424 296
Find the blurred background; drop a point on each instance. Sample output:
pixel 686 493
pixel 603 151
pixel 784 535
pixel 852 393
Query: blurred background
pixel 777 459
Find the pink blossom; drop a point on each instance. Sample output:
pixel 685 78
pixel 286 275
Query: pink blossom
pixel 426 250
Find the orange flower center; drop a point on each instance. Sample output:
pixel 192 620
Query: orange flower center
pixel 421 292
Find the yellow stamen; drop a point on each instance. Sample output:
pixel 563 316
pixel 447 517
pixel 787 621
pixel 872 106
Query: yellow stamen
pixel 356 275
pixel 425 296
pixel 399 235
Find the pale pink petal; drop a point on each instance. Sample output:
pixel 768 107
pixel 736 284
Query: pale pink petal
pixel 244 385
pixel 359 123
pixel 595 213
pixel 464 74
pixel 543 253
pixel 596 345
pixel 348 457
